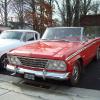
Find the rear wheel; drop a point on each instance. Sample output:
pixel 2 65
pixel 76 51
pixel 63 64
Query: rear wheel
pixel 74 79
pixel 98 54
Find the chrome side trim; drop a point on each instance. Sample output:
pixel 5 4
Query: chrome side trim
pixel 80 50
pixel 43 74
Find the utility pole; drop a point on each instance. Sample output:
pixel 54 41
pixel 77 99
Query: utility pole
pixel 5 12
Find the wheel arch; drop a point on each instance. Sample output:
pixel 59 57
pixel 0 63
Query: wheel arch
pixel 81 64
pixel 81 61
pixel 3 56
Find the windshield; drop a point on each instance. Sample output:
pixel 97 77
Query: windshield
pixel 62 33
pixel 11 35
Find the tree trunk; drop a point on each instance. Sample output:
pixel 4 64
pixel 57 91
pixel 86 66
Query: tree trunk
pixel 33 6
pixel 21 15
pixel 77 13
pixel 5 13
pixel 85 8
pixel 69 15
pixel 51 12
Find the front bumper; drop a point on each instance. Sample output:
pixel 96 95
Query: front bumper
pixel 44 74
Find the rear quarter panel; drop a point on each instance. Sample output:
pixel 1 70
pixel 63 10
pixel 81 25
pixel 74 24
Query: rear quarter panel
pixel 86 52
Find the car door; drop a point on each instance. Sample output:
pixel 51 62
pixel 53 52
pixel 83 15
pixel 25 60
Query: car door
pixel 89 47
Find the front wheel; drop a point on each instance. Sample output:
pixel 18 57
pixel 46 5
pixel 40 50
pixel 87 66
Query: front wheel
pixel 3 62
pixel 75 76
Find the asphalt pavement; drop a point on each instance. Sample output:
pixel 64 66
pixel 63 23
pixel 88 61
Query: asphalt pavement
pixel 91 78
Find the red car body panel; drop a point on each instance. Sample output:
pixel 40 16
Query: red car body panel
pixel 50 50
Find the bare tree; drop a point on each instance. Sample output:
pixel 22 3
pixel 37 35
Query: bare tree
pixel 95 7
pixel 1 13
pixel 18 7
pixel 51 3
pixel 85 6
pixel 77 13
pixel 4 10
pixel 30 11
pixel 62 10
pixel 69 12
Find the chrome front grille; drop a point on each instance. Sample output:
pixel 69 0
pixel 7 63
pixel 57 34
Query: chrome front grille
pixel 33 62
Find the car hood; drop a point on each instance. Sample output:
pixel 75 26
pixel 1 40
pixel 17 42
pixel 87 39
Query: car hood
pixel 46 49
pixel 7 44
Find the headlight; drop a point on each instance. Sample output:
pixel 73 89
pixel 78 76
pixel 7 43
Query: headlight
pixel 56 65
pixel 14 60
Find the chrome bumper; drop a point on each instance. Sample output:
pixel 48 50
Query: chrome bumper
pixel 43 74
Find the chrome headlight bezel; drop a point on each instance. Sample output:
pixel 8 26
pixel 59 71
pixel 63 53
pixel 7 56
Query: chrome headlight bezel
pixel 56 65
pixel 13 60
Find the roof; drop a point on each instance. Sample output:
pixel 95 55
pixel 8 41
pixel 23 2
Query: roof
pixel 4 28
pixel 22 30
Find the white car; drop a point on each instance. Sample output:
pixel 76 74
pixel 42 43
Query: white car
pixel 11 39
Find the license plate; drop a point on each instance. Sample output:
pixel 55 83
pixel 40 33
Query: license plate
pixel 29 76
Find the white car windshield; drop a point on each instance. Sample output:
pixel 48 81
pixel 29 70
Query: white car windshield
pixel 62 33
pixel 11 35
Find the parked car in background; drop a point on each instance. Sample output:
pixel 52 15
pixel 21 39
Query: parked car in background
pixel 11 39
pixel 3 28
pixel 61 54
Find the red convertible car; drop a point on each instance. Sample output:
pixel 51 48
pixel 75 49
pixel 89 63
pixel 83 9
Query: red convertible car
pixel 61 54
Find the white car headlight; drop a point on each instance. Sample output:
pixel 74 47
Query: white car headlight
pixel 56 65
pixel 14 60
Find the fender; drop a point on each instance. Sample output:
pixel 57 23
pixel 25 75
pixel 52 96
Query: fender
pixel 75 58
pixel 72 61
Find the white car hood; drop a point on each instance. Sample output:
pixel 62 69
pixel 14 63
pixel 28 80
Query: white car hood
pixel 8 44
